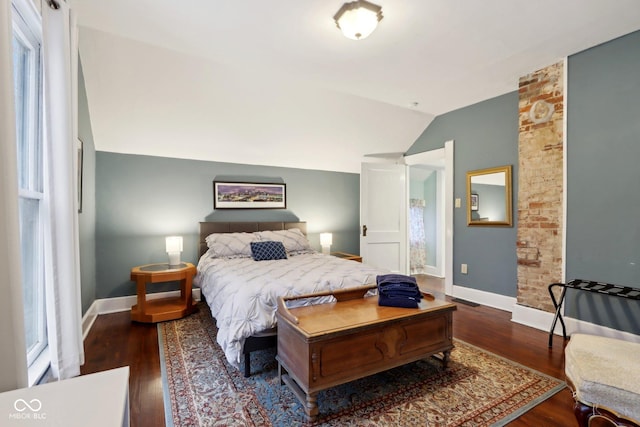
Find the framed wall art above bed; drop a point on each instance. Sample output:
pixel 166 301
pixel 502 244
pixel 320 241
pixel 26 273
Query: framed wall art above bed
pixel 249 195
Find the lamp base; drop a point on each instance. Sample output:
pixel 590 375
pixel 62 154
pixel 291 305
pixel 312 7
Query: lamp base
pixel 326 250
pixel 174 259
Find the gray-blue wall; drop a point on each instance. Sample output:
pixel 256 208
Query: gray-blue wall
pixel 485 135
pixel 603 205
pixel 603 202
pixel 142 199
pixel 87 218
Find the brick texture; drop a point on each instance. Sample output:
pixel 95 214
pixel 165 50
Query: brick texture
pixel 540 185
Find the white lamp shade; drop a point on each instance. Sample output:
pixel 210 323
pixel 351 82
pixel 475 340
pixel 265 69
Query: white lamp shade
pixel 358 19
pixel 174 244
pixel 174 247
pixel 326 239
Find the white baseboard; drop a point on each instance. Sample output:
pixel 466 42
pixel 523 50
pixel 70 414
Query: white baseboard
pixel 538 319
pixel 117 304
pixel 535 318
pixel 433 271
pixel 521 314
pixel 542 320
pixel 489 299
pixel 87 320
pixel 575 326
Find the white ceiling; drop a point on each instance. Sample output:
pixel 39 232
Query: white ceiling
pixel 275 82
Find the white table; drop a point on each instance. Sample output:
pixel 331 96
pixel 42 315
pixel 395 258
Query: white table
pixel 97 400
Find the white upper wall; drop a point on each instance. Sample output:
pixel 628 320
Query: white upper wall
pixel 145 99
pixel 275 82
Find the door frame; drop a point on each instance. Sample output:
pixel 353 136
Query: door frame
pixel 442 159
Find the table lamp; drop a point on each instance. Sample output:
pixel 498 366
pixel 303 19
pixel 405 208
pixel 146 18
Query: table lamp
pixel 326 239
pixel 174 247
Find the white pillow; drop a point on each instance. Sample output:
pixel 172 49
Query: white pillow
pixel 292 239
pixel 230 244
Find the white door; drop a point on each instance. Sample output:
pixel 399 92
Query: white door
pixel 383 216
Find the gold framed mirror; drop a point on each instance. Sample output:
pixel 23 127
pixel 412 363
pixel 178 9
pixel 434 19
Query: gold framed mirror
pixel 489 197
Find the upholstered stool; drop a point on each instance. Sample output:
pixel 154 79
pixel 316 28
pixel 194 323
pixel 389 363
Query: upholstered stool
pixel 604 374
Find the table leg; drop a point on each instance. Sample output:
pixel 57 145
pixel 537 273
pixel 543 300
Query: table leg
pixel 183 290
pixel 186 286
pixel 445 358
pixel 311 406
pixel 141 289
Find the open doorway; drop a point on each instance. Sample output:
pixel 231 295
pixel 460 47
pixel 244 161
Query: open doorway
pixel 424 227
pixel 424 222
pixel 430 216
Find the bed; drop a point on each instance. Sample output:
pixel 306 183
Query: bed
pixel 242 293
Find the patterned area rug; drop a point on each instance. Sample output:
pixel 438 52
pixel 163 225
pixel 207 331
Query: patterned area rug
pixel 202 389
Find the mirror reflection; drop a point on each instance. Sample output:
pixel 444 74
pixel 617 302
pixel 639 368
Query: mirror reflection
pixel 489 197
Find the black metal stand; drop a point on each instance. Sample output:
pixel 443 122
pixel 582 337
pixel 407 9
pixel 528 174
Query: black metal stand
pixel 589 286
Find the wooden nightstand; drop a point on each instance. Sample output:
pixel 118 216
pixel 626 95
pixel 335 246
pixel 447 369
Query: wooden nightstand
pixel 161 309
pixel 345 255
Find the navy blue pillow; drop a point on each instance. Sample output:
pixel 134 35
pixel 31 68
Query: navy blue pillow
pixel 264 251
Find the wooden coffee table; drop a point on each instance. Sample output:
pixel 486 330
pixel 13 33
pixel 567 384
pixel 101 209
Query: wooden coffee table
pixel 325 345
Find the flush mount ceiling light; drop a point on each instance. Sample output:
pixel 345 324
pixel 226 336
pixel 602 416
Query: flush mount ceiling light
pixel 358 19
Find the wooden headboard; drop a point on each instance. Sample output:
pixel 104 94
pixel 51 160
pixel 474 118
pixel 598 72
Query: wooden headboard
pixel 207 228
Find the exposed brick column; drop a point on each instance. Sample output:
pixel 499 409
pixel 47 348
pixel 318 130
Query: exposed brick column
pixel 540 185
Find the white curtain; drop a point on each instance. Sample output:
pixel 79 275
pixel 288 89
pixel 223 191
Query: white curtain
pixel 64 307
pixel 417 237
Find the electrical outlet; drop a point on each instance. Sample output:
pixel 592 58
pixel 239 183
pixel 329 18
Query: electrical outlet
pixel 458 202
pixel 463 268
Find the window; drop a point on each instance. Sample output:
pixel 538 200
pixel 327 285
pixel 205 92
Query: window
pixel 27 41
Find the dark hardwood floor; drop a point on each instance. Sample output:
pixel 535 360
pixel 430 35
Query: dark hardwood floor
pixel 115 341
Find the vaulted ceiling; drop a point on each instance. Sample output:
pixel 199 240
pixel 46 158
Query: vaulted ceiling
pixel 275 82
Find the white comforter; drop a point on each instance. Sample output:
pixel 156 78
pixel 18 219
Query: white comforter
pixel 242 293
